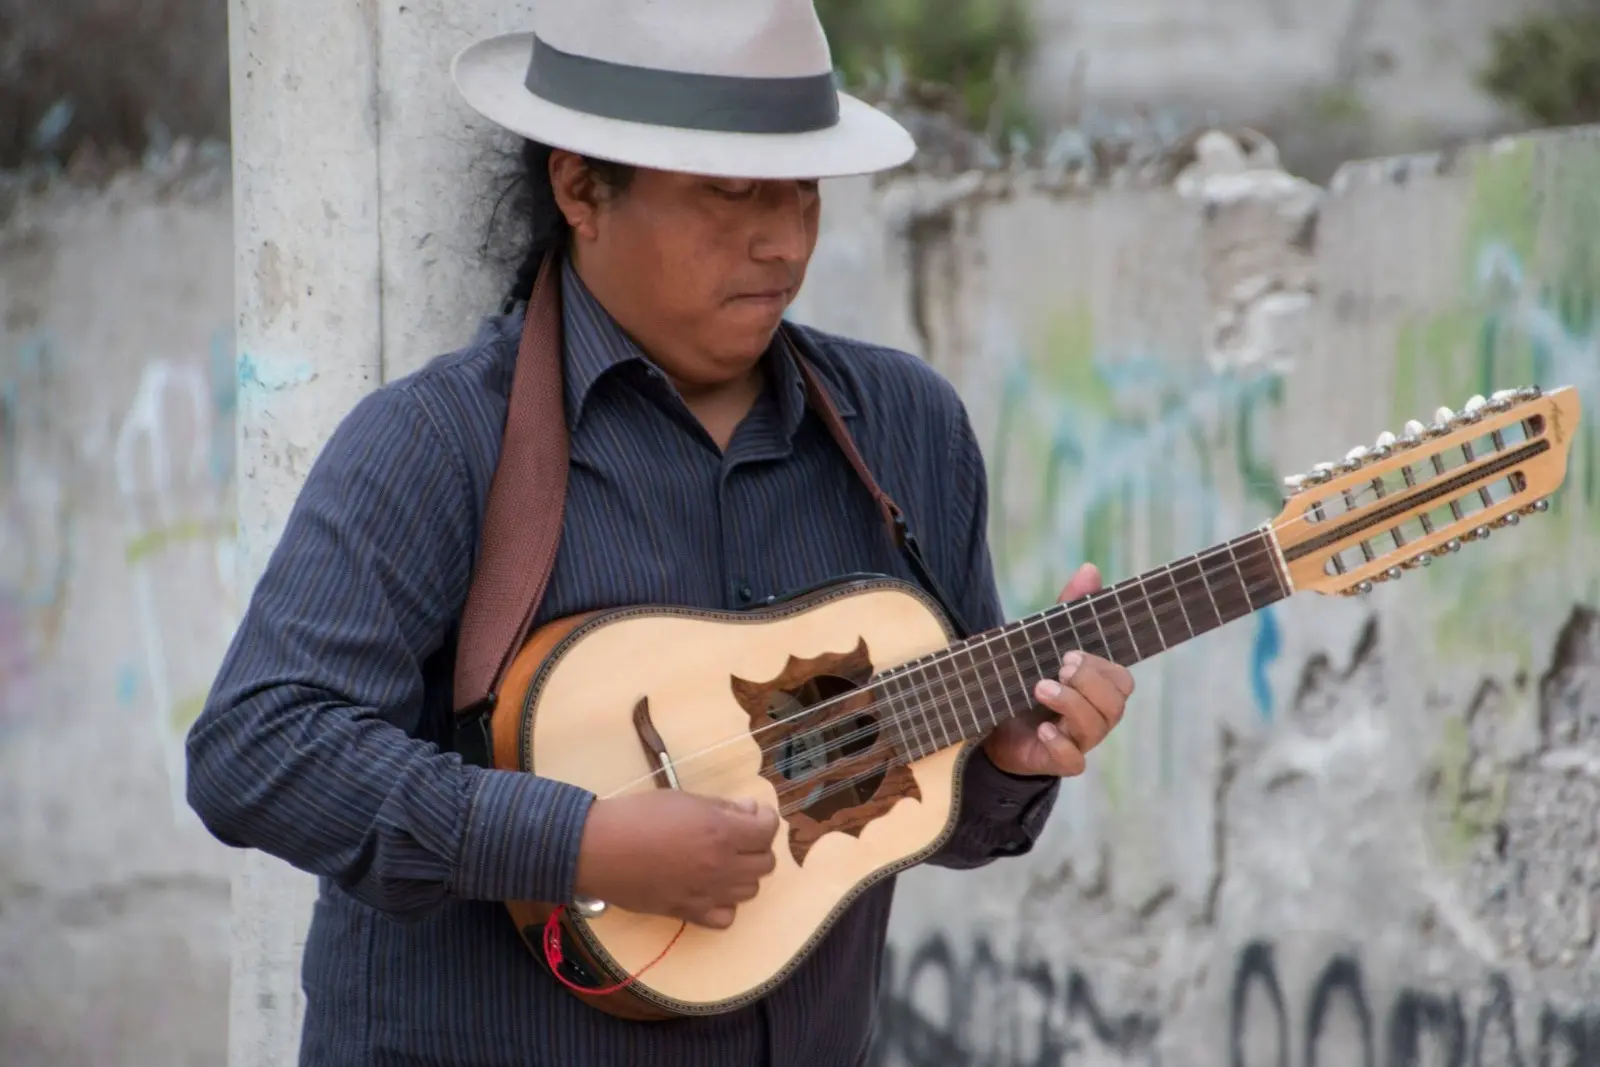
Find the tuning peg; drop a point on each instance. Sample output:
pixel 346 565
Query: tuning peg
pixel 1411 433
pixel 1473 411
pixel 1359 589
pixel 1294 483
pixel 1529 392
pixel 1319 473
pixel 1501 399
pixel 1354 458
pixel 1441 422
pixel 1537 507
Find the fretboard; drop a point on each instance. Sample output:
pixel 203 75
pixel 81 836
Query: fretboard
pixel 962 692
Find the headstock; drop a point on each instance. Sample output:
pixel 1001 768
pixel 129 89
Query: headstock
pixel 1398 505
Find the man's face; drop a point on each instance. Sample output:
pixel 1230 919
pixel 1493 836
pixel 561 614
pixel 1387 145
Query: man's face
pixel 697 270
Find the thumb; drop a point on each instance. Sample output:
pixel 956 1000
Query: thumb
pixel 1084 582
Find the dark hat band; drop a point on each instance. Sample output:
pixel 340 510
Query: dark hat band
pixel 718 102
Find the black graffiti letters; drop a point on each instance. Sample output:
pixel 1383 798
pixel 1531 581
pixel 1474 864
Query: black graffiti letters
pixel 942 1007
pixel 1420 1028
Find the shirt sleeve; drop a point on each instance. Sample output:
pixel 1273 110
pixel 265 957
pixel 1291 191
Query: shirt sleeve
pixel 1001 814
pixel 304 749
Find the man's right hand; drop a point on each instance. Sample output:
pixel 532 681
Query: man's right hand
pixel 670 853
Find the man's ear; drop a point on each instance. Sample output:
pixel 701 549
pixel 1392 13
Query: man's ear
pixel 575 191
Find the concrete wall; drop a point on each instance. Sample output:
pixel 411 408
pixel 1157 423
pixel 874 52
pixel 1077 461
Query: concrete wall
pixel 1330 79
pixel 116 602
pixel 1340 832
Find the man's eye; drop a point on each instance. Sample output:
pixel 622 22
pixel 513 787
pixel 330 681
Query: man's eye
pixel 733 190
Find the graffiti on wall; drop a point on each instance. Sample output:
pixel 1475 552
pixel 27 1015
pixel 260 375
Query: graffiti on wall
pixel 1529 313
pixel 1131 460
pixel 1338 1019
pixel 173 460
pixel 36 521
pixel 942 1008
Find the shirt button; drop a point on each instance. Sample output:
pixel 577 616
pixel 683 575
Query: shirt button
pixel 746 594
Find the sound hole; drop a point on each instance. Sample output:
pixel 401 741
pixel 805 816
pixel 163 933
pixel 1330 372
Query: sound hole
pixel 810 750
pixel 833 767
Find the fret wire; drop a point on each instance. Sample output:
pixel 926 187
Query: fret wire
pixel 1243 582
pixel 1077 642
pixel 1154 599
pixel 1044 670
pixel 1105 645
pixel 1210 592
pixel 903 715
pixel 1149 610
pixel 966 693
pixel 917 684
pixel 991 719
pixel 898 714
pixel 1177 595
pixel 1127 624
pixel 1016 669
pixel 1199 575
pixel 935 718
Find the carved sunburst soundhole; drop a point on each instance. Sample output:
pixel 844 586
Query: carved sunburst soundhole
pixel 827 755
pixel 806 754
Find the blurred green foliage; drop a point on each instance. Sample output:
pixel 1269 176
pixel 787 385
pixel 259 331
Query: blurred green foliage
pixel 978 48
pixel 1547 66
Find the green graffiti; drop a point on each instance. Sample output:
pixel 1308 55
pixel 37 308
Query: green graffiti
pixel 1094 455
pixel 1128 461
pixel 1527 313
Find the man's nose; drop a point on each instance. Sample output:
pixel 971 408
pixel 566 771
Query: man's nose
pixel 785 230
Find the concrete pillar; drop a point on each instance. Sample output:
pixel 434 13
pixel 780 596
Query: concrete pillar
pixel 362 189
pixel 307 276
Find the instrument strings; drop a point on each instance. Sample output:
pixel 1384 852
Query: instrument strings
pixel 914 693
pixel 1214 554
pixel 635 920
pixel 966 690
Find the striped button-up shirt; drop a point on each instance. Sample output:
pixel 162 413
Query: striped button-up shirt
pixel 326 739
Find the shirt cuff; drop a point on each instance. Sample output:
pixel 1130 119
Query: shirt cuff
pixel 522 838
pixel 1006 798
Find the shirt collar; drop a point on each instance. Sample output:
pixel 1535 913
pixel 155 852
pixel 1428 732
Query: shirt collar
pixel 595 345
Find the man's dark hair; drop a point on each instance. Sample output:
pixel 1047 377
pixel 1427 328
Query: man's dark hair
pixel 533 208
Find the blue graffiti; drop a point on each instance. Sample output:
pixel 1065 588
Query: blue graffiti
pixel 1264 652
pixel 225 400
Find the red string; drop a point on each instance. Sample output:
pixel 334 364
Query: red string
pixel 553 956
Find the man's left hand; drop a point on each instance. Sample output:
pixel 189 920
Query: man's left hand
pixel 1082 706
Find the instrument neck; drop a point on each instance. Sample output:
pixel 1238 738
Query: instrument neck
pixel 963 692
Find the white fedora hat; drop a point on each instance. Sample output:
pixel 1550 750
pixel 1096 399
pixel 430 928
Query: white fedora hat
pixel 729 88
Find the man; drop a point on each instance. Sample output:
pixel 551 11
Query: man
pixel 685 207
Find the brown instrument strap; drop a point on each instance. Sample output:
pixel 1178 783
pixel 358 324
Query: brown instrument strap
pixel 527 501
